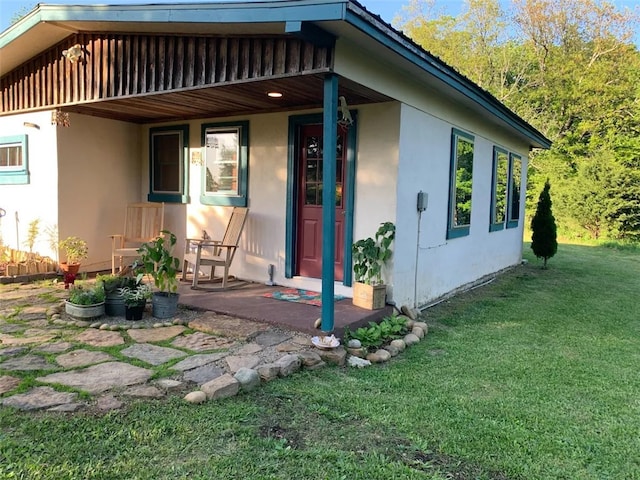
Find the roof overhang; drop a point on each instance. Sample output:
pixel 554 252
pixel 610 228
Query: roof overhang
pixel 47 25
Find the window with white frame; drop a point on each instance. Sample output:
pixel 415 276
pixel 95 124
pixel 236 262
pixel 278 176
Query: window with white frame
pixel 224 173
pixel 460 184
pixel 14 160
pixel 168 164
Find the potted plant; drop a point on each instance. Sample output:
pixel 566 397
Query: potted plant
pixel 76 250
pixel 114 305
pixel 157 261
pixel 135 300
pixel 85 301
pixel 370 256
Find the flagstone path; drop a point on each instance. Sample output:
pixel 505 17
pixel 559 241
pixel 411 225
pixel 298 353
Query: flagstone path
pixel 114 361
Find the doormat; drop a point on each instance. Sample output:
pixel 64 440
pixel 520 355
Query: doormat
pixel 298 295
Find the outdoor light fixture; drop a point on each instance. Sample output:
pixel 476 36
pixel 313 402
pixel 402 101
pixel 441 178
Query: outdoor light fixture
pixel 274 94
pixel 73 54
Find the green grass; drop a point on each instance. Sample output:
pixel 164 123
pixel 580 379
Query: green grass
pixel 534 376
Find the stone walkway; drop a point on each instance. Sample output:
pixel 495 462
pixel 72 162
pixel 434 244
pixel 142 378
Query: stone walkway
pixel 199 355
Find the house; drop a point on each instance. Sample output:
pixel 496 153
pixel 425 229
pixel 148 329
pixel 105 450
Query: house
pixel 211 105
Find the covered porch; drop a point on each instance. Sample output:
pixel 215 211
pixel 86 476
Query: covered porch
pixel 249 302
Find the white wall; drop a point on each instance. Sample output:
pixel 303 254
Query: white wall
pixel 99 174
pixel 36 200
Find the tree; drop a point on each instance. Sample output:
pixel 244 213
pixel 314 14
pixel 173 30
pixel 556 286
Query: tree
pixel 544 242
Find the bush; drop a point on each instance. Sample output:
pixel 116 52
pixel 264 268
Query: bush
pixel 86 295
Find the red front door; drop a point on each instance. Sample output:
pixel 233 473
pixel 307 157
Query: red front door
pixel 309 221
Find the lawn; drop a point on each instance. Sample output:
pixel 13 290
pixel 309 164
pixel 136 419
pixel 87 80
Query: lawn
pixel 533 376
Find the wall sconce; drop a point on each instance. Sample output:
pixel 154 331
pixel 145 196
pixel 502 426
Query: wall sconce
pixel 73 54
pixel 31 125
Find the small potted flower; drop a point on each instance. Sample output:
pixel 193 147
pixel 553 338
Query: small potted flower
pixel 76 250
pixel 85 301
pixel 135 299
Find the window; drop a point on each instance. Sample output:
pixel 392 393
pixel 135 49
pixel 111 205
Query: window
pixel 224 176
pixel 14 164
pixel 460 183
pixel 168 163
pixel 515 168
pixel 499 189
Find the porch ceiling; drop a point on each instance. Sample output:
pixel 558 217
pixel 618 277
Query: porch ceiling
pixel 299 92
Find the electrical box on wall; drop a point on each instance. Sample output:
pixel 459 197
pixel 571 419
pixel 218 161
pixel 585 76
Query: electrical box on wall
pixel 423 200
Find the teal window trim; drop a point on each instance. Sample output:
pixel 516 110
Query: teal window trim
pixel 514 198
pixel 16 175
pixel 455 231
pixel 295 122
pixel 171 197
pixel 242 198
pixel 496 224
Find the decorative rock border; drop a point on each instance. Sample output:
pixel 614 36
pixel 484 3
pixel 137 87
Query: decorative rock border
pixel 247 379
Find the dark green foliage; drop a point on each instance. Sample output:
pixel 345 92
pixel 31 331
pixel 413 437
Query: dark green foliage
pixel 370 255
pixel 376 334
pixel 86 295
pixel 544 242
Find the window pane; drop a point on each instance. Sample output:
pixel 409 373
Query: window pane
pixel 222 155
pixel 463 182
pixel 516 175
pixel 167 162
pixel 10 156
pixel 501 172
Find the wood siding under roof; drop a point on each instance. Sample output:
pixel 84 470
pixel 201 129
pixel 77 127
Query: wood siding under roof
pixel 114 66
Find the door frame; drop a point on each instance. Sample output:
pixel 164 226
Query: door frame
pixel 295 122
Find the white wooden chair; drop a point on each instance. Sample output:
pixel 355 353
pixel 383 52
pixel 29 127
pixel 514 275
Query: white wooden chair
pixel 143 222
pixel 215 253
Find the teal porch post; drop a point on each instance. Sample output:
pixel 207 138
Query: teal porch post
pixel 329 134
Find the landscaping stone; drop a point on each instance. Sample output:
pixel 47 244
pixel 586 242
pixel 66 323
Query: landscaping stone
pixel 222 387
pixel 411 339
pixel 268 371
pixel 354 343
pixel 357 352
pixel 392 350
pixel 225 326
pixel 12 351
pixel 38 398
pixel 399 344
pixel 82 358
pixel 150 335
pixel 409 312
pixel 169 385
pixel 56 347
pixel 236 362
pixel 357 362
pixel 144 391
pixel 335 356
pixel 309 358
pixel 249 349
pixel 202 342
pixel 379 356
pixel 67 407
pixel 270 338
pixel 196 361
pixel 100 378
pixel 100 338
pixel 423 326
pixel 417 331
pixel 152 354
pixel 203 374
pixel 288 347
pixel 8 383
pixel 27 363
pixel 107 403
pixel 196 397
pixel 249 379
pixel 289 364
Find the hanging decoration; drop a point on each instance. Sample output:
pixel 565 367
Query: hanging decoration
pixel 60 118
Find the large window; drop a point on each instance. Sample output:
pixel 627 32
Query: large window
pixel 168 162
pixel 499 193
pixel 461 180
pixel 14 160
pixel 515 169
pixel 224 176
